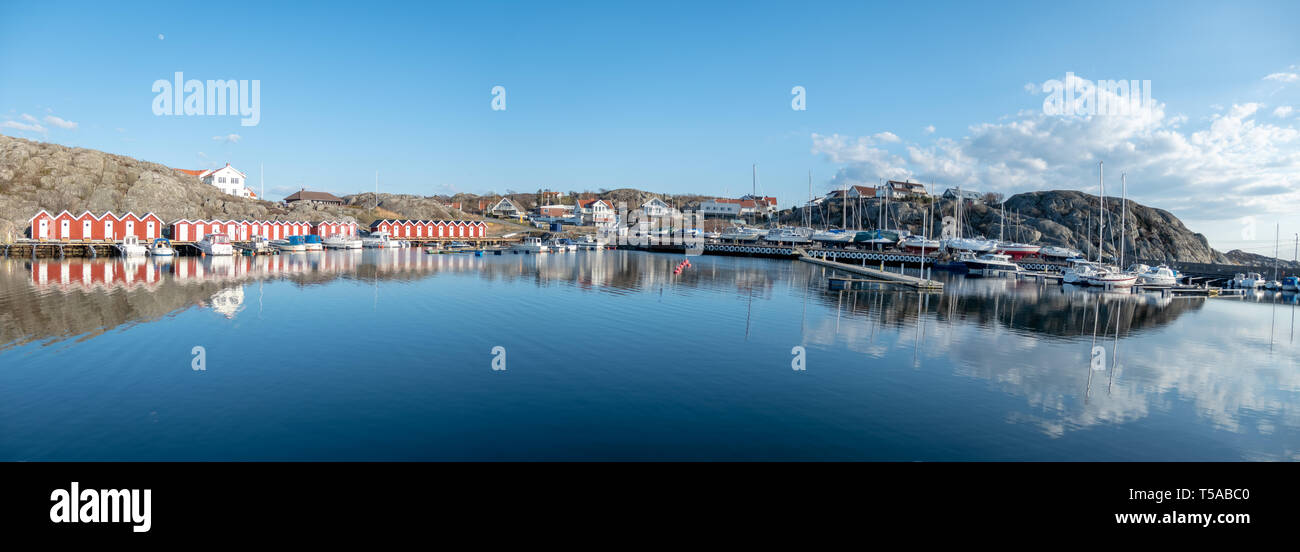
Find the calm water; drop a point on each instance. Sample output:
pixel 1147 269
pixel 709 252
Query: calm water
pixel 387 355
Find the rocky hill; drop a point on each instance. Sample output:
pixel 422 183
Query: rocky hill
pixel 1237 256
pixel 38 175
pixel 1059 217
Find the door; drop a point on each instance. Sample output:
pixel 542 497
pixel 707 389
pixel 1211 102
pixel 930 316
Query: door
pixel 149 231
pixel 182 232
pixel 43 230
pixel 85 230
pixel 108 230
pixel 130 228
pixel 65 229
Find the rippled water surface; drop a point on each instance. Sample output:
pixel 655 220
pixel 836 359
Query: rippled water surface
pixel 388 355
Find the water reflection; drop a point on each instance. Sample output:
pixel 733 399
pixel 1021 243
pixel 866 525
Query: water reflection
pixel 987 369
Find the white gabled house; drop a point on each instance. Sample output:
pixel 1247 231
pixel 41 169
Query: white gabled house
pixel 656 208
pixel 505 208
pixel 227 179
pixel 597 211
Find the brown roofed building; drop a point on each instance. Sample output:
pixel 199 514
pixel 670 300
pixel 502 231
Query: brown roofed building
pixel 317 197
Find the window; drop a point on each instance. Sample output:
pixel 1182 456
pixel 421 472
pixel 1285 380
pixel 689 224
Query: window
pixel 234 181
pixel 221 179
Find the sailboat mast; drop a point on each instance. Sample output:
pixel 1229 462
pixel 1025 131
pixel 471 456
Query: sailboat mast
pixel 1101 213
pixel 1123 217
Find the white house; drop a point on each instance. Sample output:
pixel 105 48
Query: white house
pixel 597 211
pixel 656 208
pixel 227 179
pixel 719 207
pixel 894 189
pixel 505 208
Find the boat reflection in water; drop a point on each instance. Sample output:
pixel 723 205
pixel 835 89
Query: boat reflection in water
pixel 384 354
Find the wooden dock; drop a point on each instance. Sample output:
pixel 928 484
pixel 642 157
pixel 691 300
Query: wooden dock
pixel 879 275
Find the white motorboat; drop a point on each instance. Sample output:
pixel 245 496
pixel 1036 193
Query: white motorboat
pixel 1252 281
pixel 1273 285
pixel 1159 276
pixel 916 244
pixel 1054 252
pixel 379 240
pixel 989 263
pixel 311 242
pixel 1079 271
pixel 530 245
pixel 340 241
pixel 740 233
pixel 788 235
pixel 560 245
pixel 834 236
pixel 130 246
pixel 161 248
pixel 216 245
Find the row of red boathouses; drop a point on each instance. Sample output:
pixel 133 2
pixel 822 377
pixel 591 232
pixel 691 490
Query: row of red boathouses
pixel 111 227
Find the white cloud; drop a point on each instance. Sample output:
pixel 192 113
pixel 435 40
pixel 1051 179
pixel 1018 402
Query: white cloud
pixel 929 129
pixel 1283 111
pixel 1283 77
pixel 59 122
pixel 28 118
pixel 229 138
pixel 21 126
pixel 1230 165
pixel 886 137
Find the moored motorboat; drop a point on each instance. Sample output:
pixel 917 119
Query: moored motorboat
pixel 1252 281
pixel 833 236
pixel 741 234
pixel 1079 271
pixel 530 245
pixel 788 235
pixel 216 245
pixel 1156 276
pixel 378 240
pixel 340 241
pixel 1053 252
pixel 1291 283
pixel 311 242
pixel 130 246
pixel 917 244
pixel 161 247
pixel 988 263
pixel 294 244
pixel 1111 277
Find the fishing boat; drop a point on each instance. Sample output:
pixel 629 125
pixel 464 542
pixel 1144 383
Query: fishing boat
pixel 988 263
pixel 311 242
pixel 130 246
pixel 216 245
pixel 340 241
pixel 917 244
pixel 741 234
pixel 788 235
pixel 258 245
pixel 294 244
pixel 1291 283
pixel 560 245
pixel 378 240
pixel 530 245
pixel 590 241
pixel 161 247
pixel 1252 281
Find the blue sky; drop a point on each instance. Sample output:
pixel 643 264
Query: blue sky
pixel 684 97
